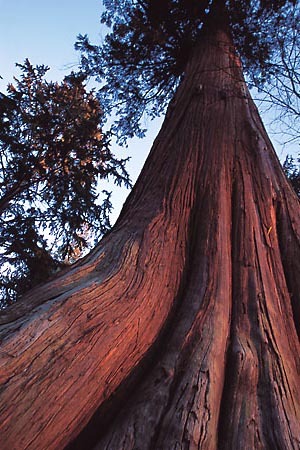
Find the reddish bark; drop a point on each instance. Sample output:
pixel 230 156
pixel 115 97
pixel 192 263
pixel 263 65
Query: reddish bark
pixel 180 327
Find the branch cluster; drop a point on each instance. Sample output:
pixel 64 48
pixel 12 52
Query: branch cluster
pixel 143 58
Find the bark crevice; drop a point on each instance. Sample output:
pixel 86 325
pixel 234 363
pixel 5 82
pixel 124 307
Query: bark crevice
pixel 289 246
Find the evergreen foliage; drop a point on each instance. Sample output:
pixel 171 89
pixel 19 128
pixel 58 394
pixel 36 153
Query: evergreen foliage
pixel 292 171
pixel 53 155
pixel 143 59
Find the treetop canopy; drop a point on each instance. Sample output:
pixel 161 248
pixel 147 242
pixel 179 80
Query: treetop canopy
pixel 143 58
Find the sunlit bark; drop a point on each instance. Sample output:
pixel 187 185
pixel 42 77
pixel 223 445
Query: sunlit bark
pixel 179 330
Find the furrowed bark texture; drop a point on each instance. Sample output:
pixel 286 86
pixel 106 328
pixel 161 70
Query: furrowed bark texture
pixel 180 330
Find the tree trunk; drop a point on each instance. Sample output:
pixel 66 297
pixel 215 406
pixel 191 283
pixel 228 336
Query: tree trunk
pixel 179 331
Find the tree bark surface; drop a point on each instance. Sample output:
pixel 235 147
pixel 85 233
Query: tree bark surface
pixel 179 331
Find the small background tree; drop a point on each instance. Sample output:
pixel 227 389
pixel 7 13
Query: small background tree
pixel 52 155
pixel 292 170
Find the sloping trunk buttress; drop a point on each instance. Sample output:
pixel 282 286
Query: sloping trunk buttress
pixel 180 329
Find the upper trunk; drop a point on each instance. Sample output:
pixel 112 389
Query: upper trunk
pixel 195 288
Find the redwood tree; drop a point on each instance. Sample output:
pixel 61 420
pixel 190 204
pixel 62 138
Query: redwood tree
pixel 179 331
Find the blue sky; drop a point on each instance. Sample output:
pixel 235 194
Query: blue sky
pixel 45 32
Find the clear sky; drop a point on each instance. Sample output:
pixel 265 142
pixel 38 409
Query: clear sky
pixel 45 33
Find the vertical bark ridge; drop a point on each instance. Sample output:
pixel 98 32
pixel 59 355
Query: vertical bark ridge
pixel 289 242
pixel 258 341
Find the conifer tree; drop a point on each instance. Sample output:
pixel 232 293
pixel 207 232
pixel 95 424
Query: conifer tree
pixel 53 155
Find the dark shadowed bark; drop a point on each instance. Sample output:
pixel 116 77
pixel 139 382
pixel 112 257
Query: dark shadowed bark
pixel 180 330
